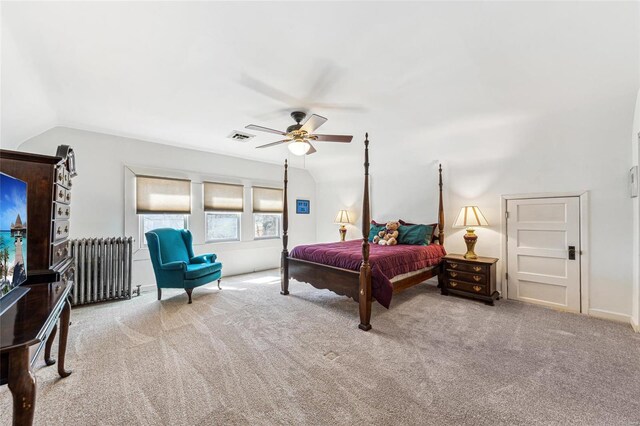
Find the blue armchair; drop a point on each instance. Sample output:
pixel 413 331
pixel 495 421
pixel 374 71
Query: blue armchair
pixel 174 263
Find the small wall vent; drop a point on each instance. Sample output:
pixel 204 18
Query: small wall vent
pixel 240 136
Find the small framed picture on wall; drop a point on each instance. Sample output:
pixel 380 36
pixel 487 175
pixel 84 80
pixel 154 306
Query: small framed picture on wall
pixel 302 207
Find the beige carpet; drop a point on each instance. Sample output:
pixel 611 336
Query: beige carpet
pixel 247 355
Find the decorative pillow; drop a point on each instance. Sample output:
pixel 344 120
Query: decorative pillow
pixel 431 234
pixel 419 235
pixel 374 228
pixel 412 234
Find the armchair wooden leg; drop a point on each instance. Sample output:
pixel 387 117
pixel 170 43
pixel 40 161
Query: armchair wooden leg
pixel 159 293
pixel 189 291
pixel 219 284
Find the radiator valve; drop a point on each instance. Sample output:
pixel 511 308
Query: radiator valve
pixel 136 292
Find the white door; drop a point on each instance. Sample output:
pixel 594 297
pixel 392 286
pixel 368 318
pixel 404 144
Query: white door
pixel 542 268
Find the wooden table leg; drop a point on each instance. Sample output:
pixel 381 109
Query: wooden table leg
pixel 22 383
pixel 65 318
pixel 47 349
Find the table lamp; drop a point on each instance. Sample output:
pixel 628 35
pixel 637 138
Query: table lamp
pixel 469 217
pixel 342 218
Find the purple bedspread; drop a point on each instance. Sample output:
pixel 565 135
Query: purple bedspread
pixel 386 261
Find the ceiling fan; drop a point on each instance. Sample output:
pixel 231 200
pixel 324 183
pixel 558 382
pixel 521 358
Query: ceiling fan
pixel 299 136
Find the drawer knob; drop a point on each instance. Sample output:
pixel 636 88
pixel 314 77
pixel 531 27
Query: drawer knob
pixel 66 229
pixel 59 176
pixel 66 212
pixel 453 274
pixel 59 211
pixel 477 278
pixel 454 284
pixel 59 231
pixel 477 288
pixel 68 197
pixel 477 268
pixel 60 194
pixel 454 265
pixel 59 252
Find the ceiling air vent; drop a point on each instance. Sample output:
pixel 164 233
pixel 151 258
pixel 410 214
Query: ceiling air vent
pixel 240 136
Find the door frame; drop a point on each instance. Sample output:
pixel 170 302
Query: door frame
pixel 583 197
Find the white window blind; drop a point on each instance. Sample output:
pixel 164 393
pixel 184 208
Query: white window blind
pixel 267 200
pixel 223 197
pixel 162 195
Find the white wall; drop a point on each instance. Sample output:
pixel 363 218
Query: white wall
pixel 635 140
pixel 103 206
pixel 27 107
pixel 585 147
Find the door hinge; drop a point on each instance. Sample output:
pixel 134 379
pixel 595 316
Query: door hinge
pixel 506 275
pixel 506 215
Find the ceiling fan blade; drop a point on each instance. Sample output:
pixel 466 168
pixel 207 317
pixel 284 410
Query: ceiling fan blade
pixel 332 138
pixel 311 150
pixel 264 129
pixel 327 75
pixel 338 107
pixel 313 122
pixel 267 90
pixel 273 143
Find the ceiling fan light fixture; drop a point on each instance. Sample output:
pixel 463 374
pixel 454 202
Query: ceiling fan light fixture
pixel 299 147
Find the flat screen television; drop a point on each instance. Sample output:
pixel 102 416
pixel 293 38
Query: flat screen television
pixel 13 235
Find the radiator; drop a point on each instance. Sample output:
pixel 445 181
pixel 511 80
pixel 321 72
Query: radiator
pixel 103 269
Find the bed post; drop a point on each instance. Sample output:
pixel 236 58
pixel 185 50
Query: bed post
pixel 440 210
pixel 441 271
pixel 284 261
pixel 365 269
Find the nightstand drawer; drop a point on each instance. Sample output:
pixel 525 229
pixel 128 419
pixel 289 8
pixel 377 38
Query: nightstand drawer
pixel 466 267
pixel 472 278
pixel 468 287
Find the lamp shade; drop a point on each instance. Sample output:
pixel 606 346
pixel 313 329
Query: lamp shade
pixel 342 217
pixel 470 216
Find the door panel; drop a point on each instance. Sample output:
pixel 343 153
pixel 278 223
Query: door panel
pixel 542 213
pixel 542 239
pixel 542 266
pixel 539 233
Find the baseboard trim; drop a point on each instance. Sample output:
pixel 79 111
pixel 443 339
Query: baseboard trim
pixel 608 315
pixel 635 325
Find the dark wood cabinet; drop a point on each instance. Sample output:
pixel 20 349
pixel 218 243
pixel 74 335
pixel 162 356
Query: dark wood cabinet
pixel 474 278
pixel 49 180
pixel 30 325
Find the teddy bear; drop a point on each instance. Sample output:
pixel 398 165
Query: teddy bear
pixel 389 235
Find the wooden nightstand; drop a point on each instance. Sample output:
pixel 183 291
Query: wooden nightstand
pixel 473 278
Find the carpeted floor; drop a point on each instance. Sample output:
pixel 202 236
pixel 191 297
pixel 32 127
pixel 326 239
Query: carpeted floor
pixel 247 355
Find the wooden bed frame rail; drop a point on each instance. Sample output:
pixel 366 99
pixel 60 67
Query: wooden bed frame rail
pixel 356 285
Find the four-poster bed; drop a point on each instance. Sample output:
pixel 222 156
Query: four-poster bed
pixel 382 271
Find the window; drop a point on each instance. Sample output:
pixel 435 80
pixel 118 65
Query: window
pixel 223 205
pixel 267 209
pixel 155 195
pixel 162 203
pixel 222 226
pixel 223 197
pixel 149 222
pixel 267 225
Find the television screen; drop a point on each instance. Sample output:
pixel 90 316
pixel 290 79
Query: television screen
pixel 13 233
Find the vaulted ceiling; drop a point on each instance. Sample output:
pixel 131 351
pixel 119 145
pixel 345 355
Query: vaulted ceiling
pixel 430 77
